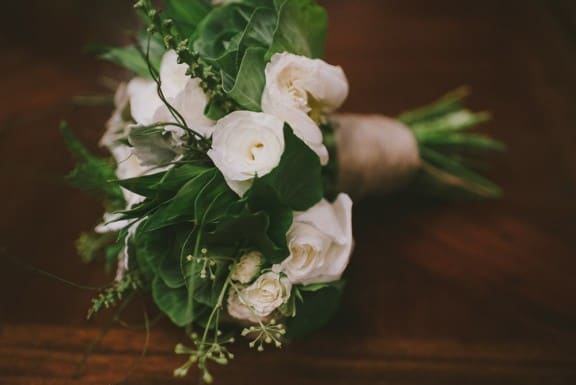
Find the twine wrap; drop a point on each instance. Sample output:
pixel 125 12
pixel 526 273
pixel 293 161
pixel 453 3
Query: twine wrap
pixel 376 154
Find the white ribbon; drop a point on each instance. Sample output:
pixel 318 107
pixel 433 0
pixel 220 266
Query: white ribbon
pixel 376 154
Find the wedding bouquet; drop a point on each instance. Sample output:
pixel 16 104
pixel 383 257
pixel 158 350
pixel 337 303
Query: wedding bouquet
pixel 227 199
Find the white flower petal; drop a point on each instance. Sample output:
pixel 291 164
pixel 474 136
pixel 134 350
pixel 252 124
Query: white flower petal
pixel 299 90
pixel 245 145
pixel 144 100
pixel 320 242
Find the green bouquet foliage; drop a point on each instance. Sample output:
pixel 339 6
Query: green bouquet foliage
pixel 221 207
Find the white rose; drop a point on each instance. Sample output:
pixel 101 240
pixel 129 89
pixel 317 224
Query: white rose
pixel 259 300
pixel 181 91
pixel 247 267
pixel 246 144
pixel 143 93
pixel 320 242
pixel 300 91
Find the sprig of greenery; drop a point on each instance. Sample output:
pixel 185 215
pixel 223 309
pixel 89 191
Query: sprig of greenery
pixel 114 294
pixel 91 246
pixel 91 173
pixel 210 346
pixel 129 57
pixel 265 333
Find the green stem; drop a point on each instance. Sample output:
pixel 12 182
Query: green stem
pixel 216 309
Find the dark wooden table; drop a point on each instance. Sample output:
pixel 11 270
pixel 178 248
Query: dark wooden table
pixel 458 293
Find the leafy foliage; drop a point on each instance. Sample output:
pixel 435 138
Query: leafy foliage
pixel 297 181
pixel 301 28
pixel 317 306
pixel 93 246
pixel 130 57
pixel 240 38
pixel 187 14
pixel 92 173
pixel 112 295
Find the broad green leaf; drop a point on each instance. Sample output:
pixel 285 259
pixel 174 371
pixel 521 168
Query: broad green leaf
pixel 173 267
pixel 187 14
pixel 315 310
pixel 298 178
pixel 235 38
pixel 213 201
pixel 220 32
pixel 130 57
pixel 248 230
pixel 301 29
pixel 250 81
pixel 178 304
pixel 263 197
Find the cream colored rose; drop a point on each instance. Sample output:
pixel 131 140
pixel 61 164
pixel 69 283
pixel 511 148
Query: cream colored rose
pixel 300 91
pixel 320 242
pixel 247 267
pixel 245 145
pixel 259 300
pixel 183 93
pixel 143 93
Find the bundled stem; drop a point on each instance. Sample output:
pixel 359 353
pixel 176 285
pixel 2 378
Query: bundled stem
pixel 446 146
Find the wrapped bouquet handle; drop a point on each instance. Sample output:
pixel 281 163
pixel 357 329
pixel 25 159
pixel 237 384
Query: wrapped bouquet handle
pixel 378 154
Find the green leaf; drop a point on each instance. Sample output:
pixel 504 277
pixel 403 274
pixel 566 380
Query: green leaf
pixel 181 207
pixel 447 104
pixel 249 230
pixel 301 28
pixel 453 173
pixel 173 267
pixel 178 304
pixel 250 81
pixel 449 123
pixel 220 33
pixel 187 14
pixel 164 184
pixel 213 201
pixel 236 37
pixel 316 309
pixel 262 197
pixel 298 178
pixel 130 57
pixel 91 173
pixel 465 141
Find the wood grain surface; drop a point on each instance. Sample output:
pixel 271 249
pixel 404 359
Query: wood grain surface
pixel 439 293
